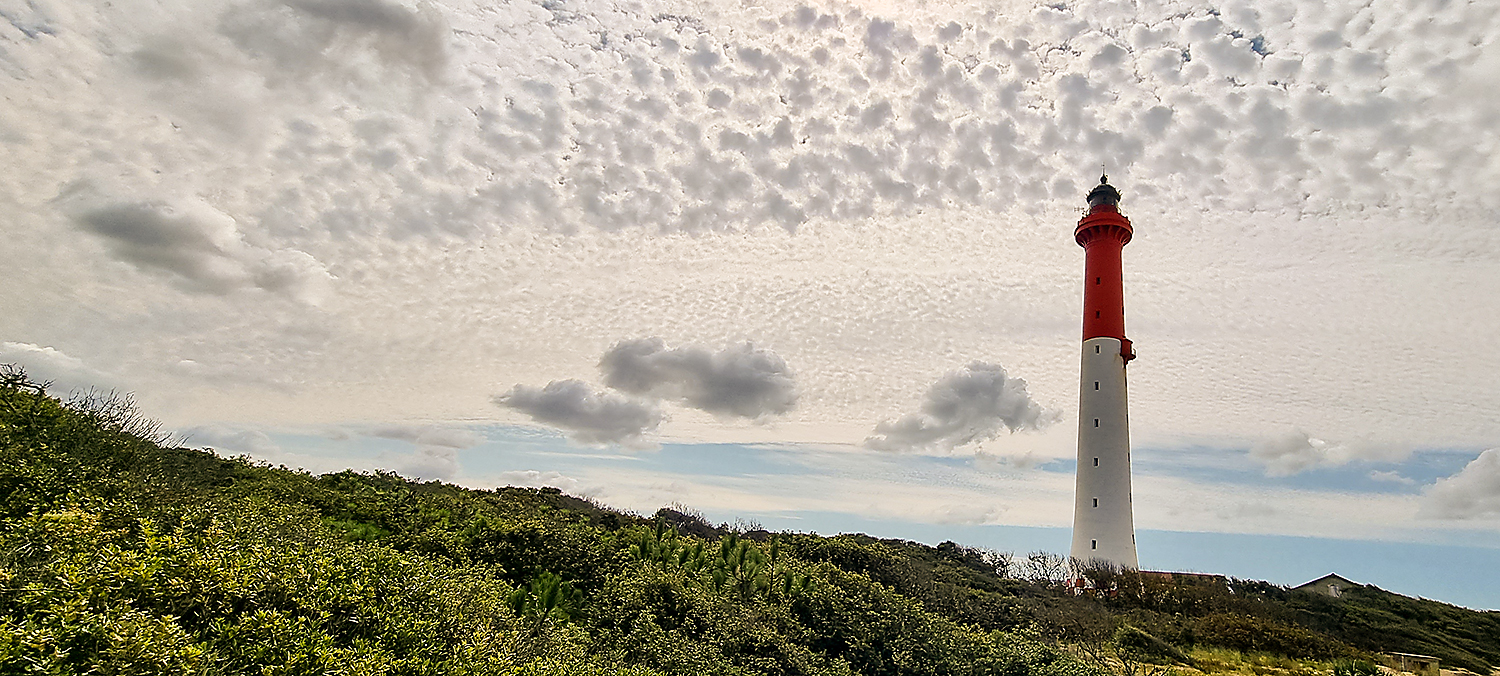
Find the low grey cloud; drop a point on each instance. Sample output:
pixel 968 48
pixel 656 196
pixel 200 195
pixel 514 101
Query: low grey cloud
pixel 1296 451
pixel 301 35
pixel 196 245
pixel 436 455
pixel 427 435
pixel 974 403
pixel 429 462
pixel 992 462
pixel 233 441
pixel 1473 493
pixel 532 478
pixel 585 414
pixel 740 380
pixel 64 372
pixel 966 514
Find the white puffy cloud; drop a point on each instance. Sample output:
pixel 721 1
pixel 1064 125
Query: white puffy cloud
pixel 974 403
pixel 587 415
pixel 1390 476
pixel 740 380
pixel 1473 493
pixel 64 372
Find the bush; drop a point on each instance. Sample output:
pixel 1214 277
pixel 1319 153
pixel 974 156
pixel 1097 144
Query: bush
pixel 120 556
pixel 1348 667
pixel 1255 634
pixel 1138 645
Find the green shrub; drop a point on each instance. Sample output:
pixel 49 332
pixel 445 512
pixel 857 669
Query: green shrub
pixel 1249 633
pixel 1138 645
pixel 120 556
pixel 1349 667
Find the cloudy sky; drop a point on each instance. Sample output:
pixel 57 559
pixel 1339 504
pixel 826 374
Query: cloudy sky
pixel 805 263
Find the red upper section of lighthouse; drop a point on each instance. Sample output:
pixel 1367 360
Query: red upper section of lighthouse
pixel 1102 234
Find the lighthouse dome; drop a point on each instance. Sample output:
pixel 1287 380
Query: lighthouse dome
pixel 1104 193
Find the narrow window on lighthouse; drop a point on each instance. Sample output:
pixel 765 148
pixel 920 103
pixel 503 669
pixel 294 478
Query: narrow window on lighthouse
pixel 1096 384
pixel 1096 422
pixel 1096 502
pixel 1096 349
pixel 1093 544
pixel 1096 462
pixel 1096 313
pixel 1098 280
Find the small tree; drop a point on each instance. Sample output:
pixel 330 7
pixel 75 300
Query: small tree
pixel 1045 568
pixel 1101 575
pixel 1003 563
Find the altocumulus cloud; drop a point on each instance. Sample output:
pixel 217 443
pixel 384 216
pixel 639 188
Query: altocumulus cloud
pixel 740 380
pixel 971 404
pixel 1471 494
pixel 698 116
pixel 587 415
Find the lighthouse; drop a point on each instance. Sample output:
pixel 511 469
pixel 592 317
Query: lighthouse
pixel 1103 527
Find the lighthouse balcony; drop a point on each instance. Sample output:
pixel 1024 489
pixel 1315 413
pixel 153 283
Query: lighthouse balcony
pixel 1103 222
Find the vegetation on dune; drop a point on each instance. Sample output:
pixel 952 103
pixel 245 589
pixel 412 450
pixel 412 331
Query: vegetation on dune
pixel 120 555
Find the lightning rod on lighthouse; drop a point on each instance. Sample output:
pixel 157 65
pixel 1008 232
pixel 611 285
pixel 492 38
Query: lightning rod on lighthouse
pixel 1103 526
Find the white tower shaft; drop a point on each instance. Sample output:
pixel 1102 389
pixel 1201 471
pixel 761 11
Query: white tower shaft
pixel 1103 525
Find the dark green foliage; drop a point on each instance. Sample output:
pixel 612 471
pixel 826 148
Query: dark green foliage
pixel 1249 633
pixel 1138 645
pixel 1348 667
pixel 1373 619
pixel 120 555
pixel 959 583
pixel 546 600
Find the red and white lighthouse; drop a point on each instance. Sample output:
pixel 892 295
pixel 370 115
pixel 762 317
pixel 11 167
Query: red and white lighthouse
pixel 1103 526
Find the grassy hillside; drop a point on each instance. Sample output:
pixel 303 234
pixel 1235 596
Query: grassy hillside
pixel 121 555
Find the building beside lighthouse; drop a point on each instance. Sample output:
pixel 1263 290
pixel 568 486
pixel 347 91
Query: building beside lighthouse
pixel 1103 526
